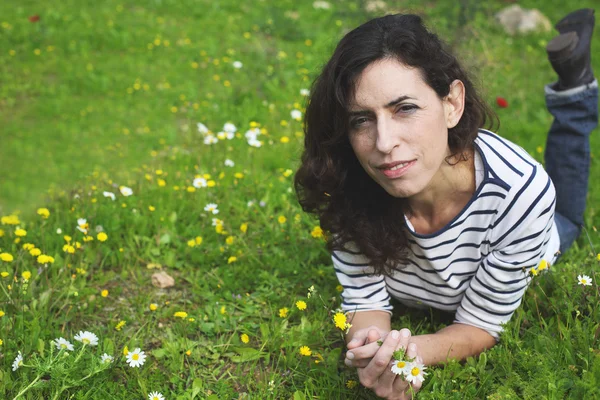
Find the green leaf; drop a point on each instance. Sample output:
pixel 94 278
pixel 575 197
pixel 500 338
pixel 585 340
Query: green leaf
pixel 246 354
pixel 165 239
pixel 298 395
pixel 173 217
pixel 197 387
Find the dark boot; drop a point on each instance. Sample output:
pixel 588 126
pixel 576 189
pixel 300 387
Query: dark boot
pixel 570 52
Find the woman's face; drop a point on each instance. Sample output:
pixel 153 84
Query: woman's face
pixel 399 128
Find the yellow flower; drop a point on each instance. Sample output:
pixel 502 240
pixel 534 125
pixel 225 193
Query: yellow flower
pixel 284 139
pixel 287 172
pixel 28 246
pixel 120 325
pixel 1 232
pixel 67 238
pixel 6 257
pixel 102 237
pixel 301 305
pixel 238 175
pixel 231 259
pixel 534 271
pixel 244 227
pixel 351 384
pixel 1 342
pixel 229 240
pixel 305 351
pixel 219 228
pixel 223 310
pixel 597 256
pixel 180 314
pixel 151 208
pixel 542 265
pixel 4 274
pixel 283 312
pixel 191 243
pixel 10 220
pixel 2 314
pixel 340 321
pixel 317 232
pixel 87 238
pixel 189 352
pixel 244 338
pixel 44 259
pixel 281 219
pixel 339 288
pixel 44 212
pixel 153 306
pixel 198 240
pixel 125 350
pixel 26 275
pixel 161 182
pixel 20 232
pixel 67 248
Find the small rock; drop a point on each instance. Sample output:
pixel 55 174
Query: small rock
pixel 515 19
pixel 162 280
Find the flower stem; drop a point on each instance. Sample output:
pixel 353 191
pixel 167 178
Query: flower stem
pixel 37 378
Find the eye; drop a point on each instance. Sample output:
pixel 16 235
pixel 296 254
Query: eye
pixel 358 122
pixel 406 108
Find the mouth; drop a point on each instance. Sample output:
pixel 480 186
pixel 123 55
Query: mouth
pixel 396 169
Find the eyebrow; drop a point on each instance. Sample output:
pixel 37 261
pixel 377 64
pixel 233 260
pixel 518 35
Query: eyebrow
pixel 388 105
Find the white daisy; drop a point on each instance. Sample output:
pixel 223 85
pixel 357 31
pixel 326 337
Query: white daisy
pixel 61 343
pixel 59 231
pixel 252 134
pixel 296 114
pixel 255 143
pixel 229 135
pixel 82 225
pixel 210 139
pixel 229 127
pixel 237 64
pixel 18 362
pixel 136 358
pixel 125 191
pixel 216 221
pixel 221 135
pixel 416 373
pixel 202 128
pixel 106 358
pixel 155 396
pixel 212 207
pixel 401 367
pixel 87 338
pixel 110 194
pixel 250 203
pixel 199 183
pixel 304 92
pixel 229 163
pixel 584 280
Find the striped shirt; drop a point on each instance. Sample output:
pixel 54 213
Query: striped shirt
pixel 478 264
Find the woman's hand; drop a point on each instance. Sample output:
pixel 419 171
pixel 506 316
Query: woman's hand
pixel 373 358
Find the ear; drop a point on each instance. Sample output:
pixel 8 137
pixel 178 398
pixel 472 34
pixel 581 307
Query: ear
pixel 454 103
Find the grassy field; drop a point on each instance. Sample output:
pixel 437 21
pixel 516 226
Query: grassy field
pixel 102 96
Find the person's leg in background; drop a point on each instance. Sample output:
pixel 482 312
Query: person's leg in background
pixel 573 101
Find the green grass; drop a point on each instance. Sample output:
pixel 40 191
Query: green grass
pixel 76 123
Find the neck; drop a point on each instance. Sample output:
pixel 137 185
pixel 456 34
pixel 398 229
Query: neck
pixel 453 184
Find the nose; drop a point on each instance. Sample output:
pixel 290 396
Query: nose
pixel 387 137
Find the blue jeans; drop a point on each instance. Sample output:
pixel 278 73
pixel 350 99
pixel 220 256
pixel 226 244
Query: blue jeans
pixel 567 156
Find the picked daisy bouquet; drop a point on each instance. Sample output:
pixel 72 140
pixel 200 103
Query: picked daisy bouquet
pixel 409 368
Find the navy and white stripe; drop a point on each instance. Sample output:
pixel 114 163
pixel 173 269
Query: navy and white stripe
pixel 478 265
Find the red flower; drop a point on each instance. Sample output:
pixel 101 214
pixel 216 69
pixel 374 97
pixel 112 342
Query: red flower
pixel 501 101
pixel 34 18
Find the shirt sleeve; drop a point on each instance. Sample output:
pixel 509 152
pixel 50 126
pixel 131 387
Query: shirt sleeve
pixel 519 240
pixel 363 291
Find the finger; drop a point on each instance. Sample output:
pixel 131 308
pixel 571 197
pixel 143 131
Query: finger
pixel 389 378
pixel 401 385
pixel 373 336
pixel 359 338
pixel 363 352
pixel 357 363
pixel 381 360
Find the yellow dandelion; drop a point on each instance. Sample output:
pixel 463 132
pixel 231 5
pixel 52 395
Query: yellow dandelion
pixel 283 312
pixel 284 139
pixel 198 240
pixel 43 212
pixel 244 227
pixel 191 243
pixel 229 240
pixel 120 325
pixel 339 320
pixel 4 274
pixel 67 248
pixel 161 182
pixel 339 288
pixel 20 232
pixel 2 314
pixel 28 246
pixel 351 384
pixel 223 310
pixel 244 338
pixel 317 232
pixel 10 220
pixel 26 275
pixel 301 305
pixel 6 257
pixel 188 353
pixel 542 265
pixel 281 219
pixel 1 232
pixel 125 350
pixel 153 306
pixel 180 314
pixel 151 208
pixel 67 238
pixel 305 351
pixel 231 259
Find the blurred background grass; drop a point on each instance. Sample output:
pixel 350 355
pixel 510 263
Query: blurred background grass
pixel 92 86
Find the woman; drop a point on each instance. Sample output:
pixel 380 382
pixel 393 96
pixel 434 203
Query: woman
pixel 425 206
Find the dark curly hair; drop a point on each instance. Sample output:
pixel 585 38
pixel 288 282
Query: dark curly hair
pixel 330 182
